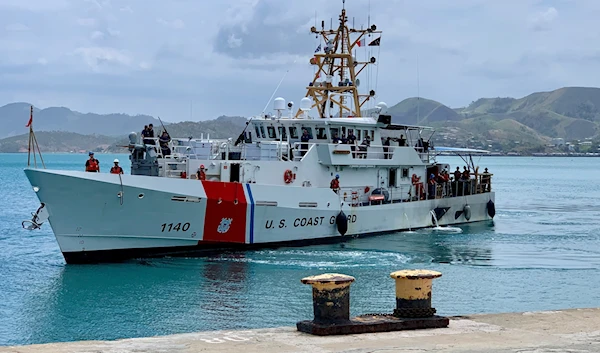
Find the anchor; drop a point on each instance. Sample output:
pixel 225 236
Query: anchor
pixel 38 218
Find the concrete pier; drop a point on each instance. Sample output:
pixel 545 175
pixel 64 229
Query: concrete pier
pixel 576 330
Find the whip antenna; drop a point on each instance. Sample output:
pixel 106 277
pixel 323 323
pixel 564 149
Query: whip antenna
pixel 277 88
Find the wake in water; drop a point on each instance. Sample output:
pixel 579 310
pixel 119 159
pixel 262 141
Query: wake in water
pixel 447 229
pixel 439 228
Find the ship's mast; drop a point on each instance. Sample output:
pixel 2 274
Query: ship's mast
pixel 340 69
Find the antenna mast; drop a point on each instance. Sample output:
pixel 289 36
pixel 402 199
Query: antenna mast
pixel 340 68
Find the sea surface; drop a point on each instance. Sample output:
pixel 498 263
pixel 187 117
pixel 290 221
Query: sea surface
pixel 542 252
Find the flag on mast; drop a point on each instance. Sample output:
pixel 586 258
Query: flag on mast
pixel 30 117
pixel 361 43
pixel 375 43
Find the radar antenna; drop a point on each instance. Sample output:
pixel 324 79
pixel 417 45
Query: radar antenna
pixel 337 61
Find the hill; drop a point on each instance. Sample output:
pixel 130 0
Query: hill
pixel 14 117
pixel 58 141
pixel 528 124
pixel 62 141
pixel 570 112
pixel 416 111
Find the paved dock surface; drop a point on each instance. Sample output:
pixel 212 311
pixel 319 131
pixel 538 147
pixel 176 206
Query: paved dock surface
pixel 575 331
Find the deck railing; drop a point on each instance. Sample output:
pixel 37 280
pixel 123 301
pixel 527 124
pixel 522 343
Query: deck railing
pixel 357 197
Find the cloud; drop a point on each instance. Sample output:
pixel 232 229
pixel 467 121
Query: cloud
pixel 176 24
pixel 97 35
pixel 542 20
pixel 16 27
pixel 228 56
pixel 88 22
pixel 96 57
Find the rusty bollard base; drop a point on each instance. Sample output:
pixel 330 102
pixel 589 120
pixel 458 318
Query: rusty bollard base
pixel 372 324
pixel 331 293
pixel 413 293
pixel 331 297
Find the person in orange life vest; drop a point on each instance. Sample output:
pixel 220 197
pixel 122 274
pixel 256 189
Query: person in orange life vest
pixel 92 164
pixel 335 184
pixel 416 181
pixel 201 174
pixel 116 169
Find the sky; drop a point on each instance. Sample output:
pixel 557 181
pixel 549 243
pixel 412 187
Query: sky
pixel 196 60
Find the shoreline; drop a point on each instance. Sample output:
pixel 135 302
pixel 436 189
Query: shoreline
pixel 442 154
pixel 543 331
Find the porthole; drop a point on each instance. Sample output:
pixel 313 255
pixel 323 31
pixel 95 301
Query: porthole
pixel 140 196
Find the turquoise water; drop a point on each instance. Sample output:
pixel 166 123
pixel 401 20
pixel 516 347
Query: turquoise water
pixel 541 253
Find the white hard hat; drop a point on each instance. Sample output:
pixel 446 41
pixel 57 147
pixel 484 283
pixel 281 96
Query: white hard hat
pixel 116 161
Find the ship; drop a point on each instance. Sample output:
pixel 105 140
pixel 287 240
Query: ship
pixel 329 170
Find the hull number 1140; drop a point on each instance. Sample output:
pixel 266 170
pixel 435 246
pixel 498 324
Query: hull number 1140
pixel 175 227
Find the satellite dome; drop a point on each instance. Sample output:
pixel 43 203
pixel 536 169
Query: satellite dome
pixel 305 104
pixel 279 103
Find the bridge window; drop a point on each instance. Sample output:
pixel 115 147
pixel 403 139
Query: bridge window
pixel 308 130
pixel 293 132
pixel 271 132
pixel 282 132
pixel 262 131
pixel 335 131
pixel 257 131
pixel 405 172
pixel 321 133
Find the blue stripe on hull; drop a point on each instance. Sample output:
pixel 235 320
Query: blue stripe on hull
pixel 251 213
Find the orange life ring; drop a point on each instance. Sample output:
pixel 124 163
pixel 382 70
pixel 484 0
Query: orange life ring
pixel 288 176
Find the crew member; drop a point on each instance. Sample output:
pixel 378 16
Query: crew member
pixel 92 164
pixel 416 181
pixel 116 169
pixel 431 184
pixel 457 174
pixel 148 135
pixel 163 141
pixel 304 139
pixel 335 184
pixel 201 174
pixel 485 181
pixel 386 148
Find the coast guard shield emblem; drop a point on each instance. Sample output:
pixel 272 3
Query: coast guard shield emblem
pixel 224 225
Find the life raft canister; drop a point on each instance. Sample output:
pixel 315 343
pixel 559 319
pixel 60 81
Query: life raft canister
pixel 288 176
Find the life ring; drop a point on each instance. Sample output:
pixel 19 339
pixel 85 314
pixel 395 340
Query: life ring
pixel 288 176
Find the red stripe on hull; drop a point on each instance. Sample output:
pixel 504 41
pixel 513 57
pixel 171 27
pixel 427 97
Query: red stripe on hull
pixel 225 218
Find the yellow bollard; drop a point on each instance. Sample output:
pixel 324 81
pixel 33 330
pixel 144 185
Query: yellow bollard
pixel 413 293
pixel 331 297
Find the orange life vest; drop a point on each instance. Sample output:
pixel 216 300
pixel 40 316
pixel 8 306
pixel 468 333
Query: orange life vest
pixel 201 175
pixel 93 165
pixel 335 184
pixel 415 179
pixel 116 170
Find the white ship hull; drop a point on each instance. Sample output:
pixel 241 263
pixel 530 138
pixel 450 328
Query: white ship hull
pixel 100 217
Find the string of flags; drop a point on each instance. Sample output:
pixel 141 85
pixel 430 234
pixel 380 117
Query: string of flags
pixel 374 43
pixel 361 43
